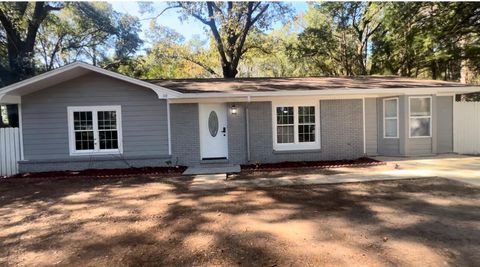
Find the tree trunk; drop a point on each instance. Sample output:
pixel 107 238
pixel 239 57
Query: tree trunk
pixel 229 71
pixel 464 64
pixel 434 69
pixel 21 51
pixel 20 62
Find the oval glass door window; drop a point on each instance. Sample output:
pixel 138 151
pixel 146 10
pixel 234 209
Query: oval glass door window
pixel 213 123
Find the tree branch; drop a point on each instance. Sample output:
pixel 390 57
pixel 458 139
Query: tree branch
pixel 161 12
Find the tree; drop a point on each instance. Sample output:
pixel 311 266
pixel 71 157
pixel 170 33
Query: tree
pixel 88 31
pixel 428 39
pixel 230 24
pixel 21 22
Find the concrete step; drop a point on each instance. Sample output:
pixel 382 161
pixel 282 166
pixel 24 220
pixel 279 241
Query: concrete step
pixel 217 169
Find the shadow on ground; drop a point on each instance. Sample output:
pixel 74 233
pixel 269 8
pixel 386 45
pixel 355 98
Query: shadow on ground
pixel 155 221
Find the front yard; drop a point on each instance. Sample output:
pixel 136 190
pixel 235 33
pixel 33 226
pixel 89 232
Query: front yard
pixel 154 221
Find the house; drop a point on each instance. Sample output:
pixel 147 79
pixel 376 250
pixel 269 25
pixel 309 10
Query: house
pixel 80 116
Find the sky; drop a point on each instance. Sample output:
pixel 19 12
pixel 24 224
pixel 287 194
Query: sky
pixel 171 20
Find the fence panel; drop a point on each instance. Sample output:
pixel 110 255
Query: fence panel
pixel 9 151
pixel 466 127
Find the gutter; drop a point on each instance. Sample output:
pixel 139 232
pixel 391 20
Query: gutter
pixel 247 123
pixel 339 92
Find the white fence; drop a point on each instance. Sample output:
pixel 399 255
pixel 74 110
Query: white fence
pixel 9 151
pixel 466 127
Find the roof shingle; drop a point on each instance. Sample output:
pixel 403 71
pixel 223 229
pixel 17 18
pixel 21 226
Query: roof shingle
pixel 247 85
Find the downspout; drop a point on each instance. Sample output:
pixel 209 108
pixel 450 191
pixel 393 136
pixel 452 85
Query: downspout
pixel 247 123
pixel 169 126
pixel 364 129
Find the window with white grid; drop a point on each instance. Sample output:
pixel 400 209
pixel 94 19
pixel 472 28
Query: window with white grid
pixel 390 118
pixel 95 130
pixel 296 127
pixel 420 111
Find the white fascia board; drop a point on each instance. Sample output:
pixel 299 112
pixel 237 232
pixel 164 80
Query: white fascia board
pixel 162 92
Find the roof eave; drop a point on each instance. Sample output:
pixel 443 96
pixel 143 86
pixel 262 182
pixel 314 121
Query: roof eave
pixel 345 91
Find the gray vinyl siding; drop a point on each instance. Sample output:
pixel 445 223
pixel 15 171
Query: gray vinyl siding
pixel 341 130
pixel 45 124
pixel 371 131
pixel 419 146
pixel 404 145
pixel 386 146
pixel 444 124
pixel 185 134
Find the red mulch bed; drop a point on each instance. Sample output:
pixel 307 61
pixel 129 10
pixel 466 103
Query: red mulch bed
pixel 99 173
pixel 360 162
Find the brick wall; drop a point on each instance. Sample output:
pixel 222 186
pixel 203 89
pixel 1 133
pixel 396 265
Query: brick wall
pixel 341 130
pixel 185 134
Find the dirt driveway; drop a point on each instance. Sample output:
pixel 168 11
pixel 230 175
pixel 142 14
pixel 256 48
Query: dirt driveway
pixel 153 221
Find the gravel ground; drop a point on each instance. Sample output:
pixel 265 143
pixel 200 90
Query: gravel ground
pixel 150 221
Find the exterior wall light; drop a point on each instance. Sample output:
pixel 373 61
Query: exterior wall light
pixel 233 110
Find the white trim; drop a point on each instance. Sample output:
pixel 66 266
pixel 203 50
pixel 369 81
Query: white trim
pixel 169 126
pixel 96 150
pixel 454 142
pixel 10 99
pixel 20 129
pixel 446 94
pixel 364 128
pixel 295 103
pixel 160 91
pixel 419 117
pixel 391 118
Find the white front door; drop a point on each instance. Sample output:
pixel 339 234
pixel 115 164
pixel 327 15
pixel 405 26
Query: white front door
pixel 213 131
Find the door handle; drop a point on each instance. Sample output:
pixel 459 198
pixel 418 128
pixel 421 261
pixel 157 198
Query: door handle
pixel 224 130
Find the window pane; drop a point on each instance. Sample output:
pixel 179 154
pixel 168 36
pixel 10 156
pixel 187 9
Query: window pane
pixel 82 120
pixel 285 134
pixel 391 128
pixel 84 140
pixel 306 127
pixel 390 108
pixel 420 106
pixel 306 133
pixel 306 115
pixel 108 139
pixel 284 115
pixel 107 120
pixel 420 127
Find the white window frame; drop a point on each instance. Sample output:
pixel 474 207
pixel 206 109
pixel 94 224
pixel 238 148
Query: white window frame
pixel 96 150
pixel 419 117
pixel 389 118
pixel 296 145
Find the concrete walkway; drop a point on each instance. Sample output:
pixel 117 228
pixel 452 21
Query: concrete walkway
pixel 461 168
pixel 457 167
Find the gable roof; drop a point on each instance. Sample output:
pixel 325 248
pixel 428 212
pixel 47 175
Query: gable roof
pixel 189 89
pixel 256 85
pixel 72 71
